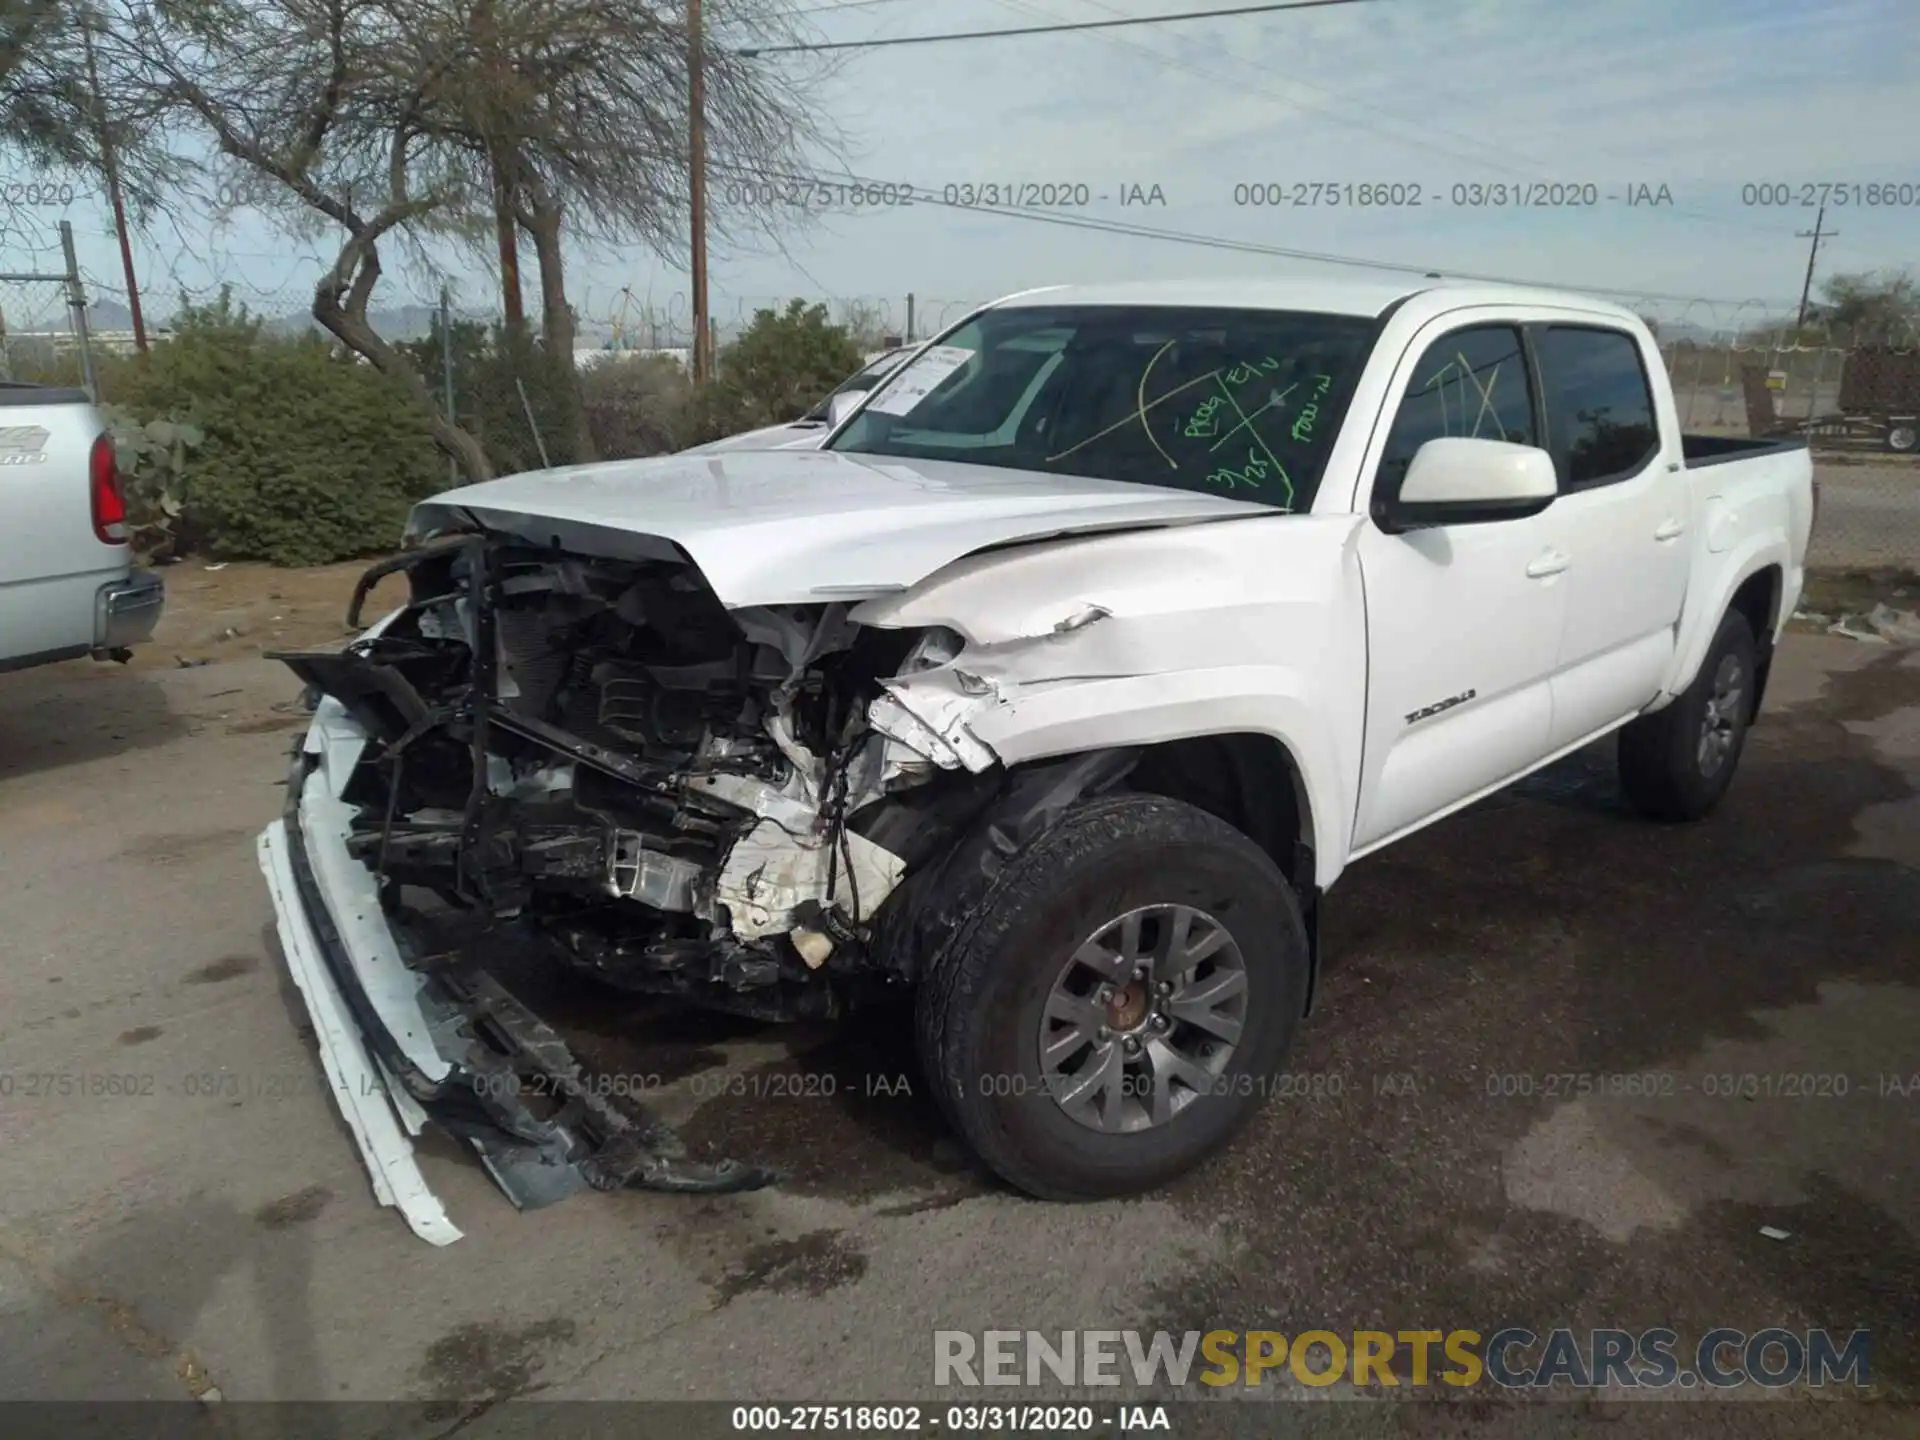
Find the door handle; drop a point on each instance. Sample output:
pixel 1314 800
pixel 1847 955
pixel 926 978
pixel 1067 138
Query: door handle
pixel 1670 529
pixel 1550 563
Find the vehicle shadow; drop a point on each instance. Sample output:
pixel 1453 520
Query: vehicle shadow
pixel 80 711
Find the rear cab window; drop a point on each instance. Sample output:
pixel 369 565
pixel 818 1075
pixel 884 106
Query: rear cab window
pixel 1239 403
pixel 1601 426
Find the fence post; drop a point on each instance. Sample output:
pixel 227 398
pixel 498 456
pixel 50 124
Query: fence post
pixel 77 300
pixel 909 317
pixel 446 376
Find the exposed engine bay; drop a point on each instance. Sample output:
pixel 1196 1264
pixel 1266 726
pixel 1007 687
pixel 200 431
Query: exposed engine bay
pixel 684 800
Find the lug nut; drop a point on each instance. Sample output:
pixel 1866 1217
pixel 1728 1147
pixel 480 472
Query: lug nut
pixel 1159 1022
pixel 1132 1045
pixel 1103 1033
pixel 1164 988
pixel 1105 994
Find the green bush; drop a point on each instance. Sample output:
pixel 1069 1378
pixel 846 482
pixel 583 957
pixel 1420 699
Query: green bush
pixel 307 457
pixel 783 364
pixel 490 370
pixel 780 367
pixel 636 405
pixel 154 461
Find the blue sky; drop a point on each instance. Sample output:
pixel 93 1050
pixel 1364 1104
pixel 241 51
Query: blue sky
pixel 1701 96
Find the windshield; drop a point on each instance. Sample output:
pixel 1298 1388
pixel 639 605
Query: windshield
pixel 876 370
pixel 1245 402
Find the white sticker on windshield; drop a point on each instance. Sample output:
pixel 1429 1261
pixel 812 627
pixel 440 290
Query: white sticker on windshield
pixel 919 379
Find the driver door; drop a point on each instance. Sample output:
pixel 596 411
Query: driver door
pixel 1463 619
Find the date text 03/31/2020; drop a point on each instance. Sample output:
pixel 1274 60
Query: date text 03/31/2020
pixel 954 1419
pixel 1474 195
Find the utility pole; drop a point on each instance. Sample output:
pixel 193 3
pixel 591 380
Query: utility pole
pixel 446 373
pixel 697 192
pixel 1816 235
pixel 113 187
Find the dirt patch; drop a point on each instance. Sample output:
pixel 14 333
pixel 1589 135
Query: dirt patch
pixel 809 1264
pixel 227 967
pixel 243 609
pixel 485 1363
pixel 173 849
pixel 140 1034
pixel 294 1209
pixel 268 725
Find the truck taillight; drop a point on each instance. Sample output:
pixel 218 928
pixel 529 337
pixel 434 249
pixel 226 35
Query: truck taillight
pixel 109 500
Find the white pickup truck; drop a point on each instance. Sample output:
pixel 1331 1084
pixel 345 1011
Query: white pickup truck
pixel 1053 694
pixel 68 586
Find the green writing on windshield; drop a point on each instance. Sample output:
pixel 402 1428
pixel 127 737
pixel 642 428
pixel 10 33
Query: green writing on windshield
pixel 1259 467
pixel 1251 370
pixel 1203 425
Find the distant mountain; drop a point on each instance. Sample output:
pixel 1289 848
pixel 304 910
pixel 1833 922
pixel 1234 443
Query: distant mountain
pixel 109 315
pixel 404 322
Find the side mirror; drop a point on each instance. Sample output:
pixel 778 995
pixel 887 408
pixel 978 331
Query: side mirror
pixel 1455 481
pixel 842 404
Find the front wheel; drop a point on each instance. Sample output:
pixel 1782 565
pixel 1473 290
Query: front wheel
pixel 1118 1007
pixel 1676 763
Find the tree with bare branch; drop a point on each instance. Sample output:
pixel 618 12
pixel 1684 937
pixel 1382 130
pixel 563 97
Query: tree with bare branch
pixel 410 124
pixel 54 120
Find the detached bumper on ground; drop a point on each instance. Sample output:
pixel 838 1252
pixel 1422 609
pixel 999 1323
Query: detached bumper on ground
pixel 408 1039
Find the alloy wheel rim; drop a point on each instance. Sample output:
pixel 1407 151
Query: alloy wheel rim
pixel 1143 1018
pixel 1720 726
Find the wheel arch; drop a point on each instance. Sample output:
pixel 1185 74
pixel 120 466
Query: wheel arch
pixel 1755 584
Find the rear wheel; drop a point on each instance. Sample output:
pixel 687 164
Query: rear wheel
pixel 1903 435
pixel 1115 1011
pixel 1676 763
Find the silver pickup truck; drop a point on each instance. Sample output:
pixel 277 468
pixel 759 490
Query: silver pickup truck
pixel 68 585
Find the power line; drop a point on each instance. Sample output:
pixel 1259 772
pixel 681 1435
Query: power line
pixel 844 5
pixel 1424 141
pixel 1061 29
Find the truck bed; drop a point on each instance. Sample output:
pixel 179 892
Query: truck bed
pixel 1699 450
pixel 67 585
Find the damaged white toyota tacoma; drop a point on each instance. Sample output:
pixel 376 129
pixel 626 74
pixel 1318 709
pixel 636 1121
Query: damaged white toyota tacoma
pixel 1052 693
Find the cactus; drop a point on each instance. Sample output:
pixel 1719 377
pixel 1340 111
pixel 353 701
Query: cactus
pixel 153 460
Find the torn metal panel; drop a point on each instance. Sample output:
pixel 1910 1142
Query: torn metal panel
pixel 928 716
pixel 786 860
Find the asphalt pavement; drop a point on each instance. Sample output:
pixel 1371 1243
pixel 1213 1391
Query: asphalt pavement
pixel 184 1215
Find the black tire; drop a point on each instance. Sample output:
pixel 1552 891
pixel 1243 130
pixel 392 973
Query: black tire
pixel 1666 770
pixel 978 1013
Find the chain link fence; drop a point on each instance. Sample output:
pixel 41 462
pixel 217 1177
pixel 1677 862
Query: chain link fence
pixel 43 316
pixel 1857 406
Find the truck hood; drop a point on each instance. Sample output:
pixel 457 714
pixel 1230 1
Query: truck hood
pixel 777 527
pixel 805 436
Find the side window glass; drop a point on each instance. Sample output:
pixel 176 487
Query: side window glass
pixel 1471 384
pixel 1599 407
